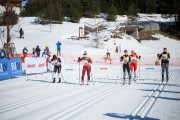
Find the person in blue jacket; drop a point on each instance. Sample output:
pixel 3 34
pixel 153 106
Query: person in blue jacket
pixel 58 44
pixel 2 54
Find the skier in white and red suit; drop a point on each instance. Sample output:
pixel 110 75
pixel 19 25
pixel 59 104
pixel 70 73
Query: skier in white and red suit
pixel 86 66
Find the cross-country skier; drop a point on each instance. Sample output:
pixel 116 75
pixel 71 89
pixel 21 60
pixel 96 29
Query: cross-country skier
pixel 86 67
pixel 133 64
pixel 56 62
pixel 126 60
pixel 164 57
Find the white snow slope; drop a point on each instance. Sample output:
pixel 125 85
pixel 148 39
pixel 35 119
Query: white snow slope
pixel 34 97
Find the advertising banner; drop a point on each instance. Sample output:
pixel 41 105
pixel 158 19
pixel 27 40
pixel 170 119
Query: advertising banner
pixel 35 65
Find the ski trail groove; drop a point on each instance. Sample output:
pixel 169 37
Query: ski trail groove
pixel 82 105
pixel 144 107
pixel 34 99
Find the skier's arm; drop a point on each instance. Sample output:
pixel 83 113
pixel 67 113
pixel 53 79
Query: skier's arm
pixel 90 61
pixel 129 59
pixel 160 56
pixel 121 58
pixel 79 59
pixel 168 55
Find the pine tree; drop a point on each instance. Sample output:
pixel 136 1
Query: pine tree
pixel 112 12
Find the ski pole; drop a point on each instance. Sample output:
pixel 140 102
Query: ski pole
pixel 79 74
pixel 92 78
pixel 63 77
pixel 139 66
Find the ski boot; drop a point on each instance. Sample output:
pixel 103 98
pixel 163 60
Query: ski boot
pixel 59 80
pixel 88 82
pixel 129 79
pixel 124 82
pixel 53 80
pixel 82 83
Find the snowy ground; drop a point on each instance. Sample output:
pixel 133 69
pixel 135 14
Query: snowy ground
pixel 35 97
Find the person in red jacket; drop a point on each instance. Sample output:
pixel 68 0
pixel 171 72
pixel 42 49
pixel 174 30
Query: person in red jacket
pixel 133 64
pixel 86 67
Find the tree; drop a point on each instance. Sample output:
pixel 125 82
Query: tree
pixel 9 18
pixel 112 12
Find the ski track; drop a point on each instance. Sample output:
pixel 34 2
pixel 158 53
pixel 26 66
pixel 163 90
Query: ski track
pixel 32 100
pixel 145 106
pixel 104 92
pixel 45 108
pixel 68 113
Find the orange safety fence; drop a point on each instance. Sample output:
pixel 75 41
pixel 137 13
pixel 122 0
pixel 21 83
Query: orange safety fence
pixel 100 59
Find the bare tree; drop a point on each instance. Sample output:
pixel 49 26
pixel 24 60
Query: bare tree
pixel 9 17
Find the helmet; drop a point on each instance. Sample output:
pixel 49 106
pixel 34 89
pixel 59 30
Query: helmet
pixel 125 51
pixel 132 51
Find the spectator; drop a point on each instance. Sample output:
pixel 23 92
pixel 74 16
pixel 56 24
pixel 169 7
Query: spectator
pixel 21 32
pixel 25 51
pixel 58 48
pixel 2 54
pixel 38 51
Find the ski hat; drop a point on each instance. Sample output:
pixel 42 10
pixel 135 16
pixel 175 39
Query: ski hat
pixel 85 53
pixel 164 48
pixel 132 51
pixel 125 51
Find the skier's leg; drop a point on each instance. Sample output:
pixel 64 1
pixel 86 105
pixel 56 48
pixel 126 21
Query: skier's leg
pixel 83 73
pixel 131 70
pixel 135 69
pixel 167 71
pixel 128 70
pixel 54 73
pixel 124 70
pixel 59 71
pixel 88 73
pixel 163 67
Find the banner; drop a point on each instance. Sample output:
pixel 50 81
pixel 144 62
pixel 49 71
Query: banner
pixel 10 68
pixel 4 69
pixel 35 65
pixel 15 67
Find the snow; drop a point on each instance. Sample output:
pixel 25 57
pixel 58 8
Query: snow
pixel 35 97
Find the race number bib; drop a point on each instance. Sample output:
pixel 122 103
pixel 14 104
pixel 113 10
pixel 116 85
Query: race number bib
pixel 164 56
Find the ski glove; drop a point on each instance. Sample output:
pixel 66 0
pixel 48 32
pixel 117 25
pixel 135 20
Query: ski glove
pixel 79 59
pixel 121 59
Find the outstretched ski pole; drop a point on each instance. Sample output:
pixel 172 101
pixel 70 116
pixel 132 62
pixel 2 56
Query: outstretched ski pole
pixel 139 66
pixel 79 74
pixel 92 77
pixel 63 77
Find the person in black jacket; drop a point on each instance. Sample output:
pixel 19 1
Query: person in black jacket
pixel 38 50
pixel 21 32
pixel 126 60
pixel 164 57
